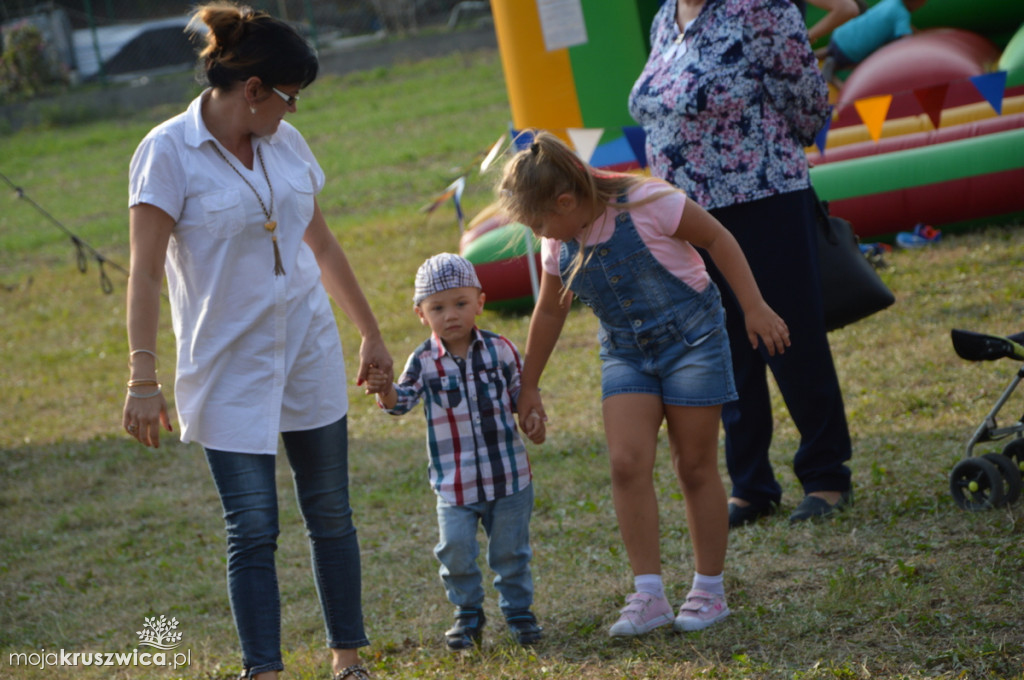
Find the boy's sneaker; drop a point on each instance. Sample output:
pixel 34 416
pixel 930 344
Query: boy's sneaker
pixel 700 610
pixel 872 249
pixel 469 626
pixel 642 614
pixel 875 252
pixel 923 235
pixel 523 625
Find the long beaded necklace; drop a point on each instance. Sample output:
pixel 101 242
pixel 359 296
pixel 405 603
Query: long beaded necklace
pixel 270 225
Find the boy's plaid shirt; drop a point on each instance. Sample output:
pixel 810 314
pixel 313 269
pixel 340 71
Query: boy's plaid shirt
pixel 476 453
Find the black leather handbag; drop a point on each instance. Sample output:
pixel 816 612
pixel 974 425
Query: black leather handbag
pixel 850 287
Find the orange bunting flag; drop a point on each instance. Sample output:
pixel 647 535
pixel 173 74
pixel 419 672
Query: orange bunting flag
pixel 931 100
pixel 438 200
pixel 453 191
pixel 873 111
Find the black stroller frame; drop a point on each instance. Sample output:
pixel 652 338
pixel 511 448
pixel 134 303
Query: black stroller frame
pixel 990 480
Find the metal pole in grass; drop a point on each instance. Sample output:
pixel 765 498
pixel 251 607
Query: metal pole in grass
pixel 312 25
pixel 95 42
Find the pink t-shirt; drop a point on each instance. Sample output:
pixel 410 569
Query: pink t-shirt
pixel 655 222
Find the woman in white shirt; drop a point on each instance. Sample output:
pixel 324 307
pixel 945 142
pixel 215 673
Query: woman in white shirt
pixel 223 202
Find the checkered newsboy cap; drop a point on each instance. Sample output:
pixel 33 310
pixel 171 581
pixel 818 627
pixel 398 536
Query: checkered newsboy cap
pixel 443 272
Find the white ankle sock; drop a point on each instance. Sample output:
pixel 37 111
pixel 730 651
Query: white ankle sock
pixel 709 584
pixel 650 584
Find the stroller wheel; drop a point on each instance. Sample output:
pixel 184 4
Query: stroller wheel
pixel 976 484
pixel 1011 475
pixel 1015 451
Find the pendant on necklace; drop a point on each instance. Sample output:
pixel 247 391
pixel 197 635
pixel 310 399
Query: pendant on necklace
pixel 270 226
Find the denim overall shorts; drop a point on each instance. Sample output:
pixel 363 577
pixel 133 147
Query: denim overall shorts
pixel 658 335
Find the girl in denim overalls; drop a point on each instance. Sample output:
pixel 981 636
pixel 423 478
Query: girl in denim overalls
pixel 622 244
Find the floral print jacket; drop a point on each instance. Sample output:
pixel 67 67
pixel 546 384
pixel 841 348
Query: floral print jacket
pixel 728 117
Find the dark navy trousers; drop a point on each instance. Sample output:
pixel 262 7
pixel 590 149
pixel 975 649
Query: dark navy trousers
pixel 776 235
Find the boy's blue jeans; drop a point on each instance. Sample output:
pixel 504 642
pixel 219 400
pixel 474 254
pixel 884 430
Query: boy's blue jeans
pixel 506 522
pixel 248 492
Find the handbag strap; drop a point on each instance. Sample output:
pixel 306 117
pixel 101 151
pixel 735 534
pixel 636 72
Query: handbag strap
pixel 823 218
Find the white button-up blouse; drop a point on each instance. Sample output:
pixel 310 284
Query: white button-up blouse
pixel 258 354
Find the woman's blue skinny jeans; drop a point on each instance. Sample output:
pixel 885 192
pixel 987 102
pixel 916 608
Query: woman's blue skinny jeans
pixel 248 492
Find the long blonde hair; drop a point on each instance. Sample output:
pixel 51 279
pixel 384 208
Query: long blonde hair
pixel 536 176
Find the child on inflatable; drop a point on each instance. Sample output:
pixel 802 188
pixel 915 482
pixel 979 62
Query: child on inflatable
pixel 854 41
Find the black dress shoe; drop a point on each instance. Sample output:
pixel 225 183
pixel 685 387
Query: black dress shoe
pixel 813 507
pixel 748 514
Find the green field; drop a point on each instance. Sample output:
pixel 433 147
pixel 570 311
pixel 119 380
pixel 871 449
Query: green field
pixel 98 533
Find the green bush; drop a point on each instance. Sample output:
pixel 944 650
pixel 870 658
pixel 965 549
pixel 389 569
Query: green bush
pixel 27 67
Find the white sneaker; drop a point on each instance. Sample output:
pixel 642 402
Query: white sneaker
pixel 700 610
pixel 642 614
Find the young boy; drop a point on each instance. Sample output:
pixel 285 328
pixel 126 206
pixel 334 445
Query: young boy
pixel 852 42
pixel 468 379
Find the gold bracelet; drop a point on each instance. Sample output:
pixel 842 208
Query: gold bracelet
pixel 136 395
pixel 147 381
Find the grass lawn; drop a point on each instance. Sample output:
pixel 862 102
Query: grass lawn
pixel 98 533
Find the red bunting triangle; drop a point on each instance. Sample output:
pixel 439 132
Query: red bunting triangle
pixel 931 100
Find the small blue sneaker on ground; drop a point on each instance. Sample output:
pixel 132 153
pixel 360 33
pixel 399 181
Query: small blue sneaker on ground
pixel 468 628
pixel 523 625
pixel 922 235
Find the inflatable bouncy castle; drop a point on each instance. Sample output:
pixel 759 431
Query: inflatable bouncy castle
pixel 928 129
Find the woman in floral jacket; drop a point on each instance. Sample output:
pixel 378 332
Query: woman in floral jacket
pixel 730 96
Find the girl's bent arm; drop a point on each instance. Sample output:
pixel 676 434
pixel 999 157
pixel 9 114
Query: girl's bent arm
pixel 340 282
pixel 701 229
pixel 545 326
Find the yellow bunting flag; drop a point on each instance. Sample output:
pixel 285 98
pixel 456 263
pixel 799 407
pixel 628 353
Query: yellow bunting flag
pixel 873 111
